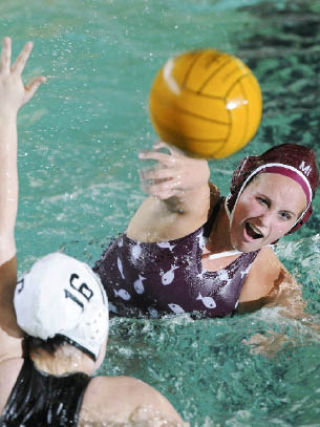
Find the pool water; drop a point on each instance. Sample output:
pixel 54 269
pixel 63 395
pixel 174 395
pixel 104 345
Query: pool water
pixel 79 140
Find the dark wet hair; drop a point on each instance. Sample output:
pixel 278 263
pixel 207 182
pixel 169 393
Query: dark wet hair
pixel 50 345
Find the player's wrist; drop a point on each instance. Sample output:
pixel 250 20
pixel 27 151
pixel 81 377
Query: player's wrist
pixel 8 114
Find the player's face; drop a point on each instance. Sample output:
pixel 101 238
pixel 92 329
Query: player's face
pixel 266 210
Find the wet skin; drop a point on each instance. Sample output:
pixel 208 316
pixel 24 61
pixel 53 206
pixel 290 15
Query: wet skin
pixel 266 210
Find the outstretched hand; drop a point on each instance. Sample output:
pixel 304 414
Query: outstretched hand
pixel 174 174
pixel 13 93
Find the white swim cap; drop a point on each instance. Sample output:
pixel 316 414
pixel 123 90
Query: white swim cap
pixel 63 296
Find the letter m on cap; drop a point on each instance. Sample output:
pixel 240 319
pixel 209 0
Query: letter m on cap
pixel 304 168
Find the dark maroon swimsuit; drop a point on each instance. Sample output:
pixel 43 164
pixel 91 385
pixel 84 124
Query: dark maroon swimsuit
pixel 167 277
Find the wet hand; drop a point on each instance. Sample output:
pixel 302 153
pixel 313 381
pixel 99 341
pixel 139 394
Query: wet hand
pixel 174 173
pixel 13 93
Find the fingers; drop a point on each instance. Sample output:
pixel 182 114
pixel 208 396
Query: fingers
pixel 164 191
pixel 168 159
pixel 6 55
pixel 20 62
pixel 164 158
pixel 156 174
pixel 22 59
pixel 32 87
pixel 165 195
pixel 14 94
pixel 161 144
pixel 161 187
pixel 162 181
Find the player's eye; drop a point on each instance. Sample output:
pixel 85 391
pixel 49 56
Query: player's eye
pixel 263 201
pixel 285 216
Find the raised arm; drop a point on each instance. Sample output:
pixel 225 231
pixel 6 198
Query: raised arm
pixel 13 95
pixel 179 200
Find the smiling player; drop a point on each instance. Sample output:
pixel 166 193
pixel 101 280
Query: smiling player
pixel 211 246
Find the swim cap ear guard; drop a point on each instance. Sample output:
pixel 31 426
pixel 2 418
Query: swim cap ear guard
pixel 296 161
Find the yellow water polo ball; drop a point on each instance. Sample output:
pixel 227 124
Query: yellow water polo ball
pixel 206 102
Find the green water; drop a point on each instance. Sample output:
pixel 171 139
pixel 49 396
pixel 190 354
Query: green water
pixel 79 140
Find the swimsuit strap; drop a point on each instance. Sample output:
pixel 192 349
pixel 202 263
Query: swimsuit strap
pixel 222 254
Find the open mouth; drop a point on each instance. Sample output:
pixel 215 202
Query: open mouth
pixel 253 232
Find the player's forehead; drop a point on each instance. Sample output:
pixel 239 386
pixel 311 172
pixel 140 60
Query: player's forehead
pixel 278 188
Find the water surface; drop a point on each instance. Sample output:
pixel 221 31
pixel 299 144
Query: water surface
pixel 79 140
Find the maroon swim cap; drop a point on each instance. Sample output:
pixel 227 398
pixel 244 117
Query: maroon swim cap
pixel 295 161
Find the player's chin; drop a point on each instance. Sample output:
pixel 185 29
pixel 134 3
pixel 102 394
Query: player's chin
pixel 251 245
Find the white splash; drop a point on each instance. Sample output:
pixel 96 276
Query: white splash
pixel 222 275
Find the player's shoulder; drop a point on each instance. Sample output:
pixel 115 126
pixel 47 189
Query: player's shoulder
pixel 9 372
pixel 268 268
pixel 265 271
pixel 267 259
pixel 121 386
pixel 118 398
pixel 102 381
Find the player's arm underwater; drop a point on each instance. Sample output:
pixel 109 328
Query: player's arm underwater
pixel 270 284
pixel 284 295
pixel 179 200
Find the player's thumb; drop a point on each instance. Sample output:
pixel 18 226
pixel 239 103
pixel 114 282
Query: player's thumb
pixel 32 87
